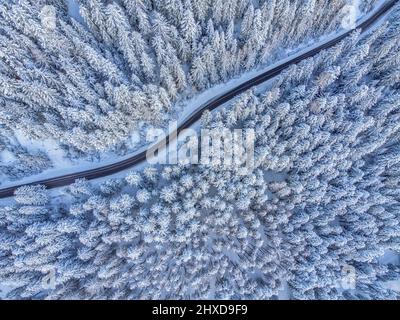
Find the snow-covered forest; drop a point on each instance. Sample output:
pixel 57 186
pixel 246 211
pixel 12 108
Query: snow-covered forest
pixel 89 81
pixel 324 194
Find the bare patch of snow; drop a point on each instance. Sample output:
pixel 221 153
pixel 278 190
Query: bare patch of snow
pixel 73 11
pixel 391 257
pixel 284 292
pixel 136 143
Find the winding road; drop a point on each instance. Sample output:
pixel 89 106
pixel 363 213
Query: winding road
pixel 210 105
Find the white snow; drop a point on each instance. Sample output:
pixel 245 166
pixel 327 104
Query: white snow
pixel 73 11
pixel 284 292
pixel 390 257
pixel 50 146
pixel 5 288
pixel 393 258
pixel 183 109
pixel 6 157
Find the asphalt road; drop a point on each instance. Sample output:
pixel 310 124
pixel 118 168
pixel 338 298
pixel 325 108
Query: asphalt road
pixel 211 105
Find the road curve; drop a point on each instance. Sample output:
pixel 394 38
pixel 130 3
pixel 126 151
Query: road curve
pixel 211 105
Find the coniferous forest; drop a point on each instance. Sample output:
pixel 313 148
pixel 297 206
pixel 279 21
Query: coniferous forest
pixel 317 217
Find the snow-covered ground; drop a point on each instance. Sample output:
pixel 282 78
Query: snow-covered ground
pixel 62 164
pixel 183 110
pixel 5 288
pixel 393 258
pixel 73 10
